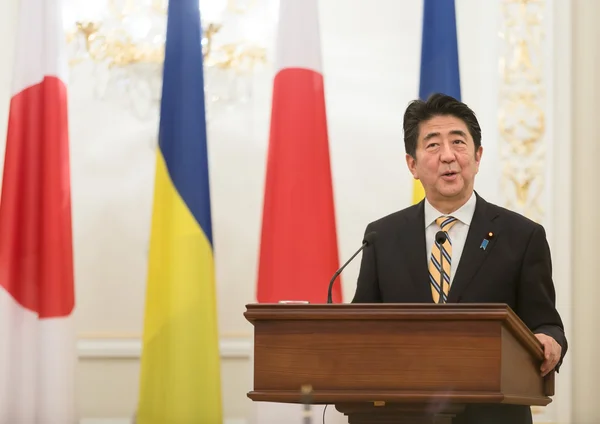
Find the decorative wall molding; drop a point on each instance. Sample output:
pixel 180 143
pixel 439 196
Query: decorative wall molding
pixel 131 348
pixel 535 140
pixel 523 107
pixel 129 421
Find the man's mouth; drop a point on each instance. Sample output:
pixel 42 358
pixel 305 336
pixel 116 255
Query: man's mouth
pixel 450 176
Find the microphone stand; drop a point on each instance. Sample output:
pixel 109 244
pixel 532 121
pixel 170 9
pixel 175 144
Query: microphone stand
pixel 367 241
pixel 306 404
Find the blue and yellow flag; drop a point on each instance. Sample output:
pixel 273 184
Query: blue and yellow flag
pixel 439 58
pixel 180 379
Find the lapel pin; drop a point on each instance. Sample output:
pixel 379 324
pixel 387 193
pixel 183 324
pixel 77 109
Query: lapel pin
pixel 486 240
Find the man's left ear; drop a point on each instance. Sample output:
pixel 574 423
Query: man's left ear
pixel 478 154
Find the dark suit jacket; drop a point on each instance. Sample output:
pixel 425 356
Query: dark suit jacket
pixel 515 269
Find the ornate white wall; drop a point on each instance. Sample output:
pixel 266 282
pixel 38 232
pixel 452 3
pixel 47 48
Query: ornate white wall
pixel 371 64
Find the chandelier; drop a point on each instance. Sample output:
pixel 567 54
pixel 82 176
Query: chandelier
pixel 123 43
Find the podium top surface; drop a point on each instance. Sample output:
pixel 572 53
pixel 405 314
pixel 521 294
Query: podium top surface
pixel 375 311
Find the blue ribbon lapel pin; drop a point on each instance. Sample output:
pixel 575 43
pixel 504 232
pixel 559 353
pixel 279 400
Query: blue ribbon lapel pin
pixel 486 241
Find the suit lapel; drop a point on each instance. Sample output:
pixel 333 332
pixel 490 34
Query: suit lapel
pixel 415 252
pixel 473 255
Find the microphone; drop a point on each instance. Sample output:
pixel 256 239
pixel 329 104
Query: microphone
pixel 440 238
pixel 369 238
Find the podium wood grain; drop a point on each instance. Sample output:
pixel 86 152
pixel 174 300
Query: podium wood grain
pixel 378 363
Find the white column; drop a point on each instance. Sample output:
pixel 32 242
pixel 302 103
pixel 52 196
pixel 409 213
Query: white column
pixel 585 336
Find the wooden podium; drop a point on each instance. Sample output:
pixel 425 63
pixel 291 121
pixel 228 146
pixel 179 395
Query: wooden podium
pixel 396 363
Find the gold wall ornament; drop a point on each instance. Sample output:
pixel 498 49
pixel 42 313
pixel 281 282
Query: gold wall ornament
pixel 522 101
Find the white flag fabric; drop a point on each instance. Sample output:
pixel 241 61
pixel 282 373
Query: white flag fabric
pixel 37 339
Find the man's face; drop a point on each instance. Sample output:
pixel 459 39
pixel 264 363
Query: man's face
pixel 446 161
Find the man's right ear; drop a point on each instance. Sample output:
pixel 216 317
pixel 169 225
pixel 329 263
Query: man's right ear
pixel 412 166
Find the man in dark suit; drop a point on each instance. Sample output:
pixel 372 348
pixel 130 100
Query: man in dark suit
pixel 443 150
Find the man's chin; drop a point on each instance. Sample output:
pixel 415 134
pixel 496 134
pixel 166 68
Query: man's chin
pixel 451 190
pixel 455 194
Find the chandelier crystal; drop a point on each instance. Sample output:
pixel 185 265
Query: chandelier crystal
pixel 123 42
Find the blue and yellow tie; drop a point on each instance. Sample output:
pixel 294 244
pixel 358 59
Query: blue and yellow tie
pixel 436 274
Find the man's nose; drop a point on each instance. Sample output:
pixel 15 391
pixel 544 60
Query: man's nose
pixel 446 154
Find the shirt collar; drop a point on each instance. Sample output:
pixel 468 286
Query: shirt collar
pixel 464 214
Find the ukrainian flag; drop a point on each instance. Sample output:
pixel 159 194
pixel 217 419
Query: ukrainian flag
pixel 180 369
pixel 439 58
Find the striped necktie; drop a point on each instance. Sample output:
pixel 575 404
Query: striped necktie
pixel 436 275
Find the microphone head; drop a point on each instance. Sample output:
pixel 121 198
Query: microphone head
pixel 440 237
pixel 369 238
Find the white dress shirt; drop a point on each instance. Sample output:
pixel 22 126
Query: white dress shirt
pixel 458 232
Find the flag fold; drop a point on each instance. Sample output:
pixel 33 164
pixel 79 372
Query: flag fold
pixel 180 379
pixel 298 249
